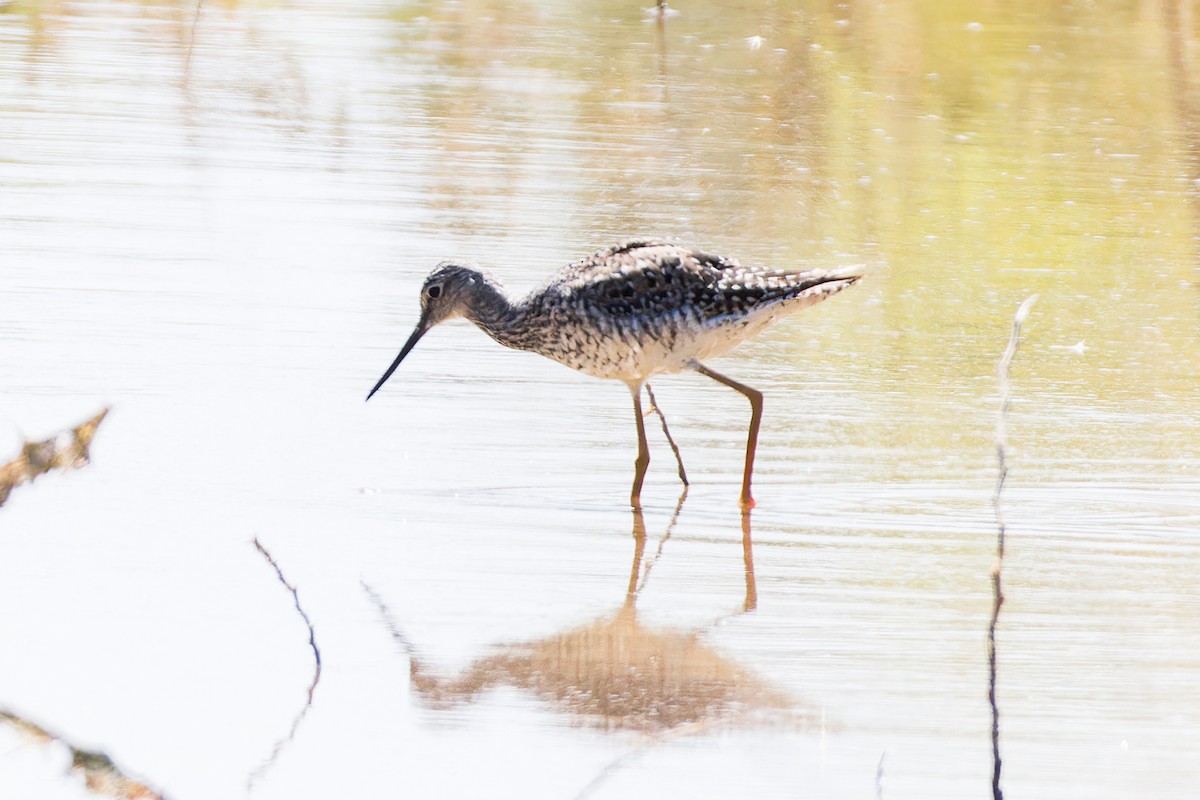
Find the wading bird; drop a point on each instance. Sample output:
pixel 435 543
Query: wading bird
pixel 629 312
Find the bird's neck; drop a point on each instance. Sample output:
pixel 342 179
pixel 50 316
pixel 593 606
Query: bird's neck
pixel 491 308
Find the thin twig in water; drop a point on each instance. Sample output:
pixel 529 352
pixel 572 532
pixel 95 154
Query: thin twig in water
pixel 312 687
pixel 639 750
pixel 663 541
pixel 312 636
pixel 187 60
pixel 666 432
pixel 997 590
pixel 386 614
pixel 425 684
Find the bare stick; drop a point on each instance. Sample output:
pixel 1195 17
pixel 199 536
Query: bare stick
pixel 187 61
pixel 666 432
pixel 312 636
pixel 312 687
pixel 425 684
pixel 997 590
pixel 637 751
pixel 663 541
pixel 386 614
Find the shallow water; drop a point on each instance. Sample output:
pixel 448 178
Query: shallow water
pixel 218 225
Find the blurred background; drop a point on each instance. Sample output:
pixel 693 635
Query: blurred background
pixel 216 217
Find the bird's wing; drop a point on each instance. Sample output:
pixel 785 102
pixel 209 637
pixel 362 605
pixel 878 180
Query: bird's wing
pixel 642 276
pixel 651 277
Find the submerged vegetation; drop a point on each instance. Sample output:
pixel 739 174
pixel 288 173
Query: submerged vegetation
pixel 100 774
pixel 69 450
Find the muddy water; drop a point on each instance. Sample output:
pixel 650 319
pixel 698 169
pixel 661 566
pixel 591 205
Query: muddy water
pixel 218 224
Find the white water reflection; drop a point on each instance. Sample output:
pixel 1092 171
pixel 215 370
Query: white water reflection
pixel 228 251
pixel 616 672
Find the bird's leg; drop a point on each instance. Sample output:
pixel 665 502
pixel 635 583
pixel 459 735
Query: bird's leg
pixel 643 456
pixel 748 560
pixel 674 447
pixel 756 408
pixel 639 548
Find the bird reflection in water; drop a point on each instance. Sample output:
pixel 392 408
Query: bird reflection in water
pixel 618 674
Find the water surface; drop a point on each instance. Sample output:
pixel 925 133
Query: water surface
pixel 218 223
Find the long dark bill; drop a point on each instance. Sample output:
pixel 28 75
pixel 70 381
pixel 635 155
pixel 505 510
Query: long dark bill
pixel 409 345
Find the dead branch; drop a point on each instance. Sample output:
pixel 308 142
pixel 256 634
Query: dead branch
pixel 997 589
pixel 312 686
pixel 667 432
pixel 67 450
pixel 385 614
pixel 312 635
pixel 666 534
pixel 100 774
pixel 187 60
pixel 427 685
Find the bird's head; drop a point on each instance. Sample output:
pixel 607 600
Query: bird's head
pixel 445 295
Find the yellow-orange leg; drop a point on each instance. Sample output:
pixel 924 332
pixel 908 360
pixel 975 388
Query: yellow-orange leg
pixel 639 548
pixel 756 408
pixel 643 456
pixel 748 560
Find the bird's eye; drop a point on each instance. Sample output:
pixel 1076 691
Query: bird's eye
pixel 434 292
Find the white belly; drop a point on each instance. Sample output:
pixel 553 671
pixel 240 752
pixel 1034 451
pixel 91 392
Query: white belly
pixel 636 353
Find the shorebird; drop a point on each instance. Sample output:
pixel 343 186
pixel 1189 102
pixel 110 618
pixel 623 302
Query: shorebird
pixel 629 312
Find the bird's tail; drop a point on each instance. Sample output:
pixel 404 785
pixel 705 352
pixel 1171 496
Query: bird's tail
pixel 850 272
pixel 821 283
